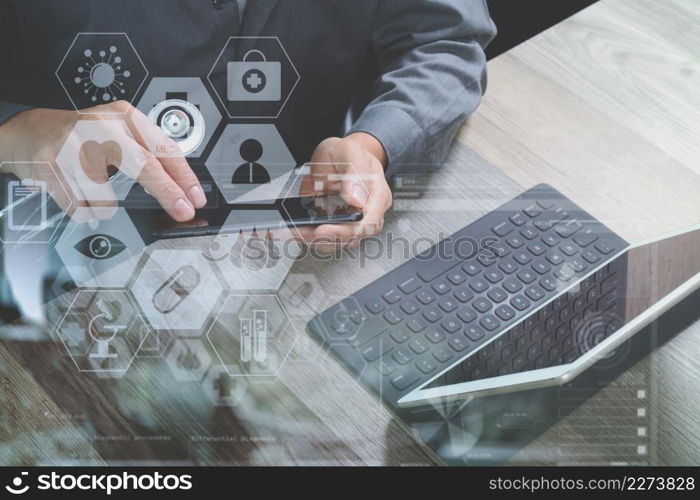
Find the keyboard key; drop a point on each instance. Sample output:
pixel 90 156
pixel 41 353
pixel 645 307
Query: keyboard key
pixel 409 306
pixel 441 287
pixel 482 305
pixel 466 315
pixel 507 352
pixel 522 258
pixel 435 336
pixel 507 266
pixel 519 362
pixel 518 219
pixel 550 240
pixel 520 302
pixel 534 292
pixel 585 237
pixel 392 296
pixel 555 257
pixel 604 247
pixel 358 315
pixel 609 283
pixel 425 296
pixel 442 354
pixel 489 322
pixel 529 232
pixel 456 277
pixel 416 325
pixel 533 211
pixel 404 380
pixel 374 306
pixel 487 259
pixel 541 267
pixel 471 268
pixel 512 285
pixel 463 294
pixel 548 284
pixel 375 349
pixel 590 256
pixel 503 228
pixel 409 286
pixel 343 326
pixel 478 285
pixel 505 313
pixel 569 228
pixel 402 356
pixel 458 343
pixel 536 248
pixel 534 351
pixel 399 336
pixel 564 273
pixel 515 241
pixel 494 275
pixel 448 304
pixel 426 366
pixel 527 276
pixel 577 265
pixel 546 204
pixel 386 367
pixel 474 333
pixel 568 249
pixel 497 295
pixel 451 324
pixel 393 316
pixel 522 343
pixel 432 314
pixel 417 345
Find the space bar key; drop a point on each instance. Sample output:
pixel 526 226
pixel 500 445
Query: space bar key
pixel 437 267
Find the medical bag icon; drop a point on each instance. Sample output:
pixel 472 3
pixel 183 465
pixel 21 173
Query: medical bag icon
pixel 254 80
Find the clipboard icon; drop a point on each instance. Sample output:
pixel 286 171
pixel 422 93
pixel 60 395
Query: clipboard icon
pixel 27 205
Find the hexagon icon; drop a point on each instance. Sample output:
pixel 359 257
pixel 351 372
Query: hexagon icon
pixel 223 389
pixel 250 163
pixel 188 360
pixel 100 68
pixel 183 107
pixel 101 253
pixel 254 250
pixel 176 289
pixel 253 77
pixel 31 214
pixel 102 331
pixel 253 334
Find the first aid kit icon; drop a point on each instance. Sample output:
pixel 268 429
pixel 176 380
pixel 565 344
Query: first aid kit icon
pixel 254 80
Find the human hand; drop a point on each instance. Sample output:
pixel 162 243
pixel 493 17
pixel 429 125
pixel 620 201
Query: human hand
pixel 354 168
pixel 38 135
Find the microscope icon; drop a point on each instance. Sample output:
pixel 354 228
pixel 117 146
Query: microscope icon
pixel 106 333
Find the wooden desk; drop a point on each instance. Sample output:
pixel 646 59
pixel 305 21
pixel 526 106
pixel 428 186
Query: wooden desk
pixel 605 108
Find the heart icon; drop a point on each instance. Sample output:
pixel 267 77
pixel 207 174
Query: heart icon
pixel 95 156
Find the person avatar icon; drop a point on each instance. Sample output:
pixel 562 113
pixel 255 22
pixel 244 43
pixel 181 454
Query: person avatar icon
pixel 251 172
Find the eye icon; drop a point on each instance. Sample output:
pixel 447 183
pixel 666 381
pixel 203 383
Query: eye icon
pixel 100 246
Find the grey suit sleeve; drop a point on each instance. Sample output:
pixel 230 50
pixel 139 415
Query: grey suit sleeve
pixel 7 61
pixel 432 76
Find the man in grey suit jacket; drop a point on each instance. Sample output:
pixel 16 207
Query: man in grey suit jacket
pixel 410 70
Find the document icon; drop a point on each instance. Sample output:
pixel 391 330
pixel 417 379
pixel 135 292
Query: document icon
pixel 27 205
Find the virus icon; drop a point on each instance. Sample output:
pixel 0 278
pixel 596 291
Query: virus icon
pixel 101 75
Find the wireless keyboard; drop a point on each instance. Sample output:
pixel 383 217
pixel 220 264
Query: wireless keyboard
pixel 432 312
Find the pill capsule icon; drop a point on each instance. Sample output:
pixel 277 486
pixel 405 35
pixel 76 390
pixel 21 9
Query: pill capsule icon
pixel 176 289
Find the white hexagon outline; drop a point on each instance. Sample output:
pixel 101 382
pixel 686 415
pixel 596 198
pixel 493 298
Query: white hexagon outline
pixel 57 224
pixel 93 33
pixel 212 137
pixel 289 94
pixel 215 271
pixel 286 356
pixel 57 332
